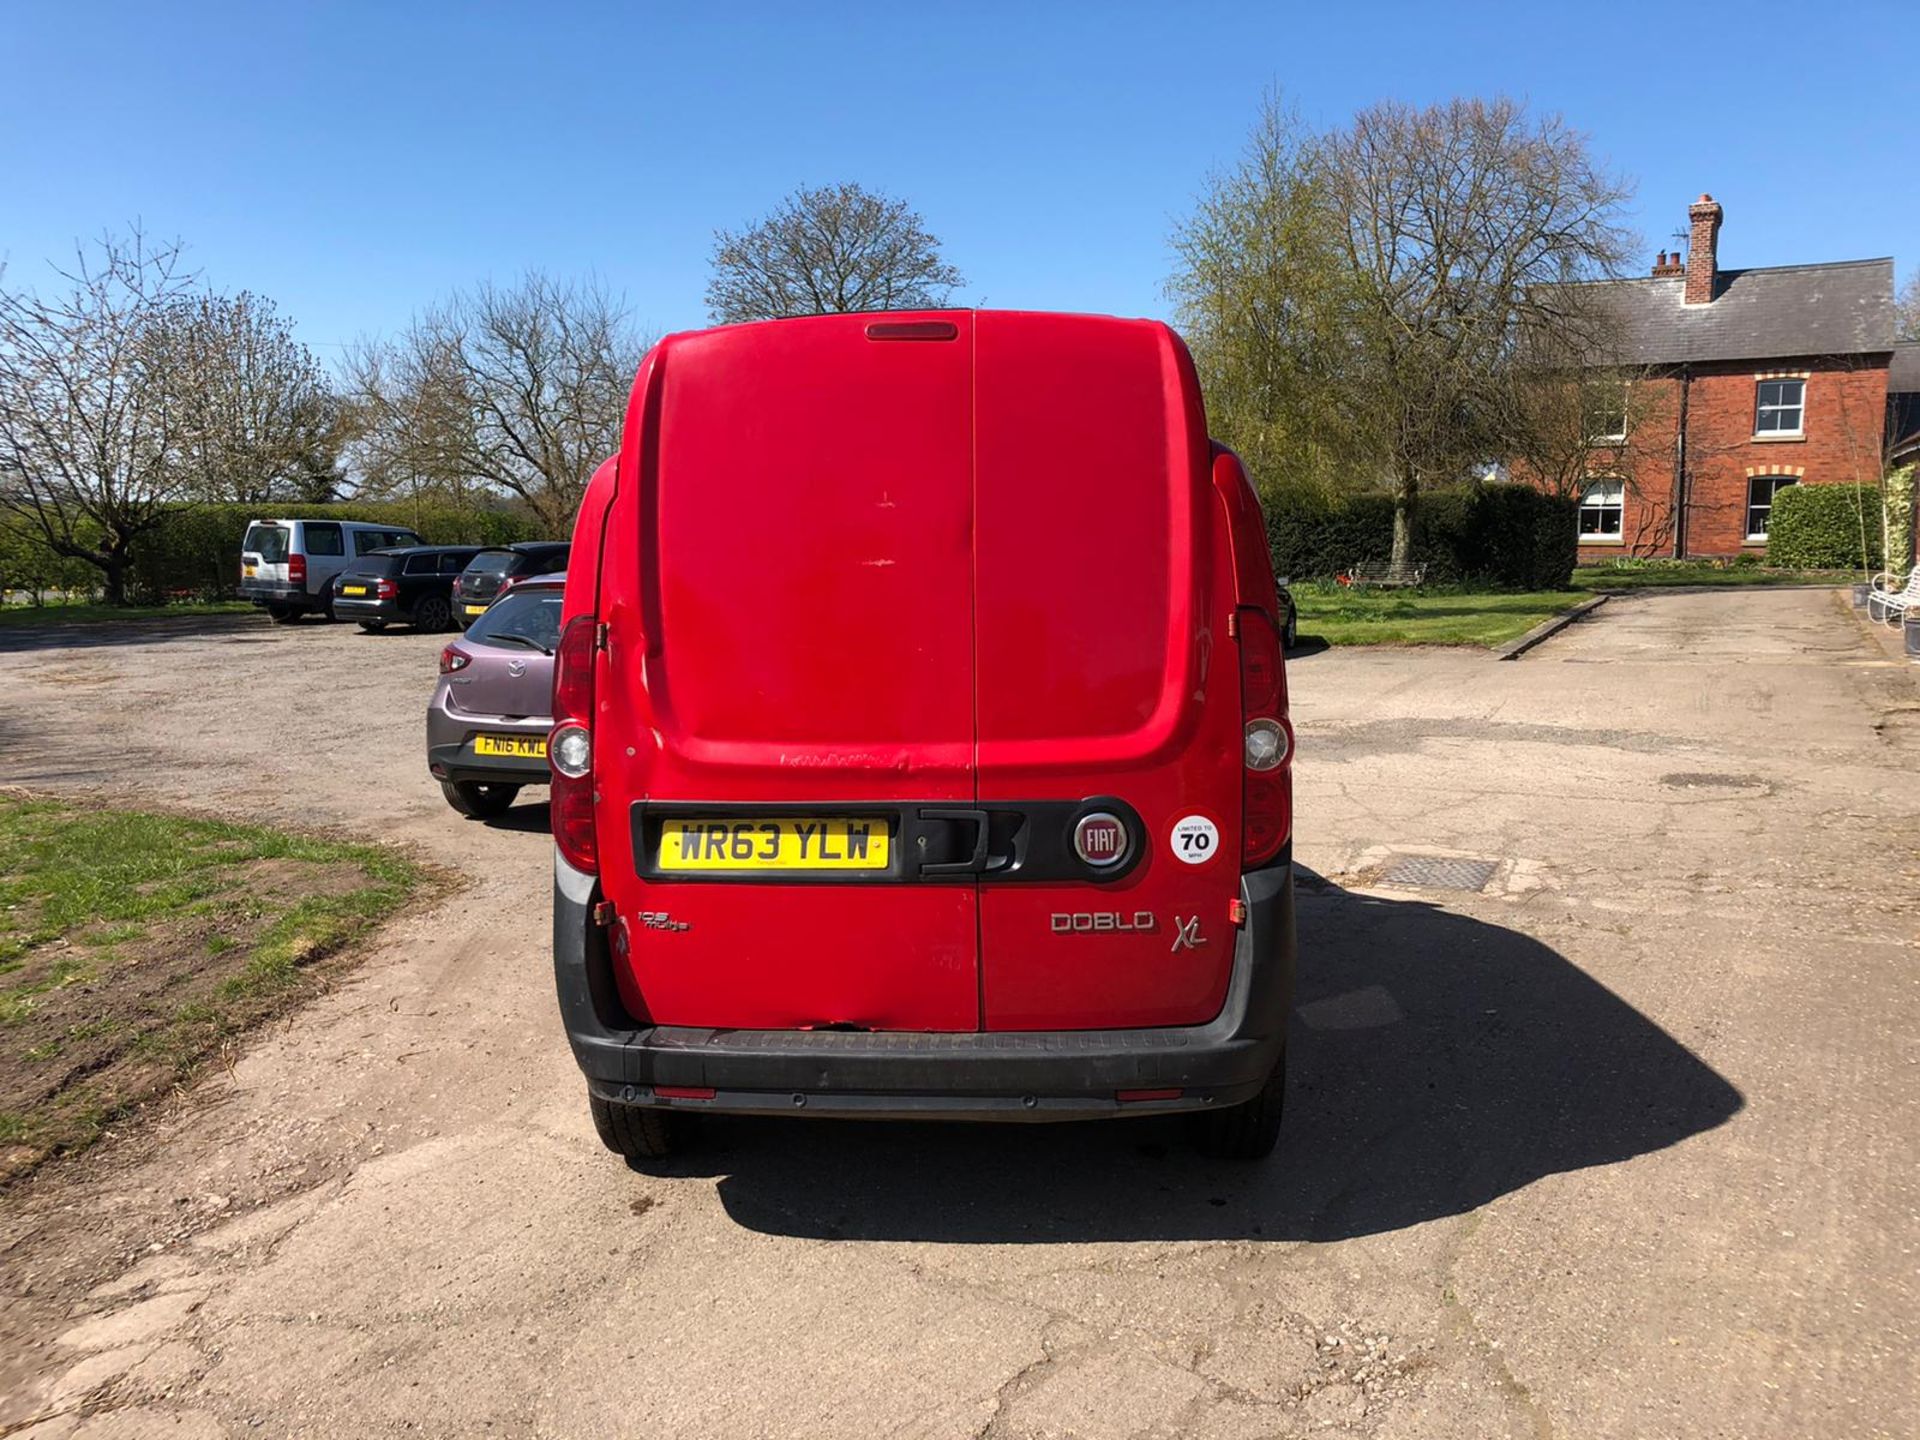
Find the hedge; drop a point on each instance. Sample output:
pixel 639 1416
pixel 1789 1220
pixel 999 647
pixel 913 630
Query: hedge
pixel 1500 535
pixel 1822 527
pixel 196 550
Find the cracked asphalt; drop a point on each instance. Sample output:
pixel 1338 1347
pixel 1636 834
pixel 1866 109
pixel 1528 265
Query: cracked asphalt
pixel 1622 1145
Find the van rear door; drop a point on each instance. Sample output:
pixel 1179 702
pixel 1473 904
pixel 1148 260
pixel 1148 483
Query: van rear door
pixel 264 551
pixel 1103 670
pixel 786 577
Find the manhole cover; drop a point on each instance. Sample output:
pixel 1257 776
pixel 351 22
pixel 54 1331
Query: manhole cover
pixel 1436 872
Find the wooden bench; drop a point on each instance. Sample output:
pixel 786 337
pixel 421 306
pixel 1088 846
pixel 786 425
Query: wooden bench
pixel 1385 575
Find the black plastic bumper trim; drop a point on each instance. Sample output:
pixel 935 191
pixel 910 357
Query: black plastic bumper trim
pixel 1015 1075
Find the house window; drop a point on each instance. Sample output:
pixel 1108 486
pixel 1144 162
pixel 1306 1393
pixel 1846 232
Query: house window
pixel 1607 413
pixel 1602 507
pixel 1780 407
pixel 1760 492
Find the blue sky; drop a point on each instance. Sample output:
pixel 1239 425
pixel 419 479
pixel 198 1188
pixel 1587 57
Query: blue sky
pixel 355 160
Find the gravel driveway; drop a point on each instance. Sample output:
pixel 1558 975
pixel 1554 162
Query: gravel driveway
pixel 1620 1144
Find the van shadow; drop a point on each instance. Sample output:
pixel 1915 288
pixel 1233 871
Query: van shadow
pixel 1436 1062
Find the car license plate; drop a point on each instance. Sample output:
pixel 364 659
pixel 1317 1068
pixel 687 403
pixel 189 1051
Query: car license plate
pixel 353 589
pixel 476 609
pixel 514 747
pixel 807 842
pixel 246 572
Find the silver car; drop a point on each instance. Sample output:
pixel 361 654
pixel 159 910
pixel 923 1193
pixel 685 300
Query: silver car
pixel 487 726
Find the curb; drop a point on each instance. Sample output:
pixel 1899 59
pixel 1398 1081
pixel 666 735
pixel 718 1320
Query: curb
pixel 1514 649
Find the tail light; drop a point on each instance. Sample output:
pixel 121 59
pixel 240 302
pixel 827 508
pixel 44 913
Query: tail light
pixel 297 570
pixel 452 659
pixel 386 590
pixel 1266 806
pixel 570 746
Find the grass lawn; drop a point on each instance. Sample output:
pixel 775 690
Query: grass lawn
pixel 134 947
pixel 1342 616
pixel 1642 577
pixel 25 615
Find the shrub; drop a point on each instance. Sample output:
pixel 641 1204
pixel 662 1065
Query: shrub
pixel 1504 536
pixel 1899 511
pixel 1825 527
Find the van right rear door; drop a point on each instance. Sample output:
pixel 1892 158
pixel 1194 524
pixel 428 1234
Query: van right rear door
pixel 1107 680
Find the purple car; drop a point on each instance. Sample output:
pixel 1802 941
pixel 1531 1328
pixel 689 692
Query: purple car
pixel 487 726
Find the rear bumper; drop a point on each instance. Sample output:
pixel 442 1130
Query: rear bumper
pixel 273 592
pixel 458 762
pixel 1004 1075
pixel 350 607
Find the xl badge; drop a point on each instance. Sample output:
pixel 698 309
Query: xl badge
pixel 1186 933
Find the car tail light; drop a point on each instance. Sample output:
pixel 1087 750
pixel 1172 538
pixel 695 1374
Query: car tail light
pixel 297 570
pixel 452 659
pixel 570 745
pixel 386 590
pixel 1266 806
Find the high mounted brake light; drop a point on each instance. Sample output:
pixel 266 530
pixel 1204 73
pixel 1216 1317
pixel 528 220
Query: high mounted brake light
pixel 570 745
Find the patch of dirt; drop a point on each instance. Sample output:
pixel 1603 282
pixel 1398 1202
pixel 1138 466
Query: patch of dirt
pixel 112 1019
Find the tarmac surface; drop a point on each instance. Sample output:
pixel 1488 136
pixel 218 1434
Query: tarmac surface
pixel 1621 1144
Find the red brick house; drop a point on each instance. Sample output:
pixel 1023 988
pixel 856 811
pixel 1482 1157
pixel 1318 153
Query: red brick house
pixel 1741 382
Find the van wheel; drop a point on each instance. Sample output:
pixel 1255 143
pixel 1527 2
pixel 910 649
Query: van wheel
pixel 373 627
pixel 1290 632
pixel 433 615
pixel 1249 1130
pixel 282 614
pixel 479 800
pixel 636 1132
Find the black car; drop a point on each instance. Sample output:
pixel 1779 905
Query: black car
pixel 411 586
pixel 498 568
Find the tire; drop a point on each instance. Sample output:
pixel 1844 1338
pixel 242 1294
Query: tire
pixel 282 614
pixel 1249 1130
pixel 373 627
pixel 1290 630
pixel 479 800
pixel 635 1132
pixel 432 615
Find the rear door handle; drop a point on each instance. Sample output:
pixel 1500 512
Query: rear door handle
pixel 975 862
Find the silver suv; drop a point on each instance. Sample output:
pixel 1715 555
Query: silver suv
pixel 287 566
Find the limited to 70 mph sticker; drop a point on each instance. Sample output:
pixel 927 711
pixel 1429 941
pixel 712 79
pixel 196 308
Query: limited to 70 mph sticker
pixel 1195 839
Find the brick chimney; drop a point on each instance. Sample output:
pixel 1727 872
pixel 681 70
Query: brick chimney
pixel 1668 265
pixel 1702 259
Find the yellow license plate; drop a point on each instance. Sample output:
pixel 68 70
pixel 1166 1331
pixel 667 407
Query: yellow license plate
pixel 514 747
pixel 353 589
pixel 246 572
pixel 476 609
pixel 807 842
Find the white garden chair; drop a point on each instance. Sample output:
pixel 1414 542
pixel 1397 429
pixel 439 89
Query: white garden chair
pixel 1889 601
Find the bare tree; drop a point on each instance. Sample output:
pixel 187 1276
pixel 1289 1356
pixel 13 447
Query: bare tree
pixel 260 421
pixel 1906 310
pixel 1466 227
pixel 520 390
pixel 90 406
pixel 828 250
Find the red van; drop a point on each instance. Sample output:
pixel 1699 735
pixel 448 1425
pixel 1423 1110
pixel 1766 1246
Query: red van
pixel 921 743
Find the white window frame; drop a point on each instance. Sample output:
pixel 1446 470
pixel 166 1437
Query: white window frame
pixel 1617 504
pixel 1619 436
pixel 1780 481
pixel 1779 407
